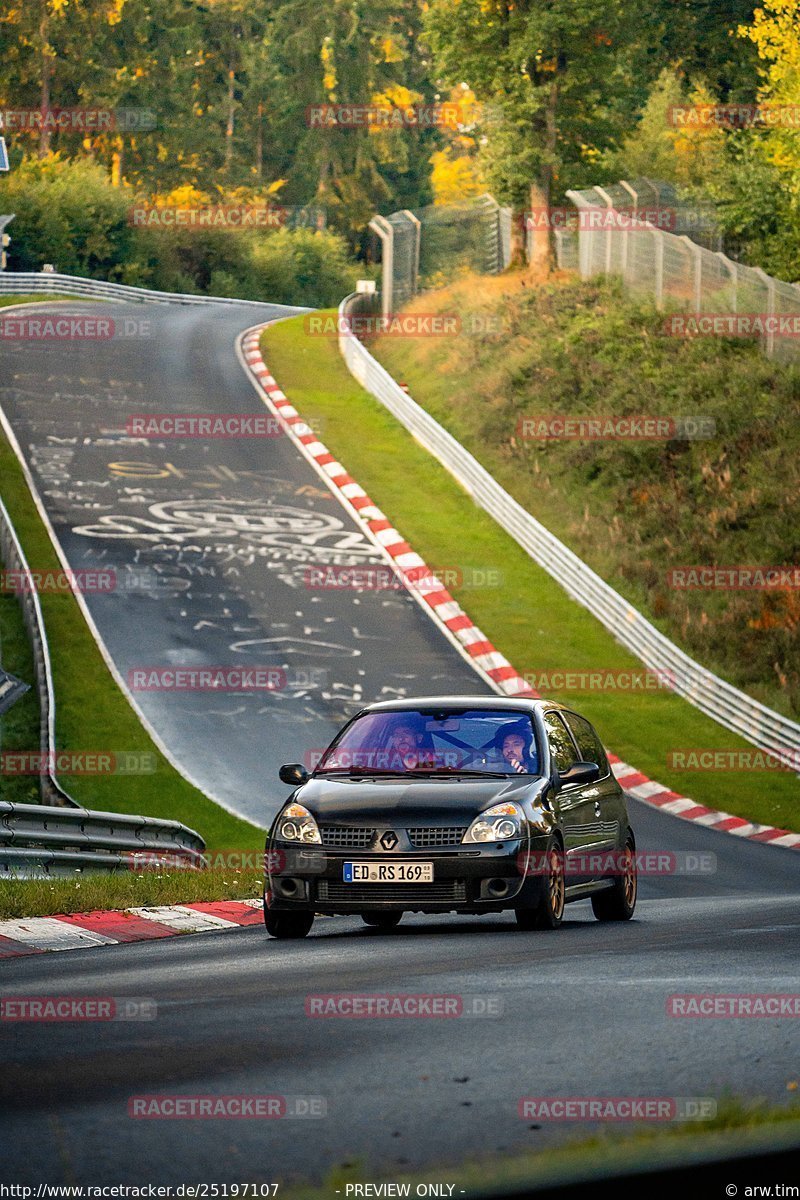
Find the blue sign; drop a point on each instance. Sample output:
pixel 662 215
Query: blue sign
pixel 3 155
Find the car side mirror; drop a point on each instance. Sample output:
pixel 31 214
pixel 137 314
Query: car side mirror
pixel 293 773
pixel 581 772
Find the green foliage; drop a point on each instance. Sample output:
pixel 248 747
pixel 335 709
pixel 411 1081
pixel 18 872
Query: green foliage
pixel 68 213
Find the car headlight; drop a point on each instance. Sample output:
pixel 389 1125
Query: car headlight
pixel 296 824
pixel 497 824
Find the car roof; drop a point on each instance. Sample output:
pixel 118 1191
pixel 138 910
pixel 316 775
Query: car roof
pixel 511 703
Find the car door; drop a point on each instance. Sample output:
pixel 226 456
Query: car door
pixel 606 793
pixel 578 803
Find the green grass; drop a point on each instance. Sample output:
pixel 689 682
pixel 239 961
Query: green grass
pixel 19 725
pixel 738 1127
pixel 7 301
pixel 91 711
pixel 529 618
pixel 633 510
pixel 125 889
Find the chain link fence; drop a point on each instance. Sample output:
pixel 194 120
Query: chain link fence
pixel 434 245
pixel 669 250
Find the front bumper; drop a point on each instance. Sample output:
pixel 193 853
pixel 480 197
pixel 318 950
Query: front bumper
pixel 472 879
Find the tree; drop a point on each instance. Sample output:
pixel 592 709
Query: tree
pixel 554 76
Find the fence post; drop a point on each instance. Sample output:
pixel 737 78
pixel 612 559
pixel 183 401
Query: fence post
pixel 584 237
pixel 385 232
pixel 417 224
pixel 769 283
pixel 659 274
pixel 730 267
pixel 609 208
pixel 697 270
pixel 635 197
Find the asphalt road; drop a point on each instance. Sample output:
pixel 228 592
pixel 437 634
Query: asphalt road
pixel 211 543
pixel 583 1014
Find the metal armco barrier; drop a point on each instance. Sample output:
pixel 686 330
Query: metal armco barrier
pixel 13 557
pixel 37 839
pixel 769 730
pixel 23 283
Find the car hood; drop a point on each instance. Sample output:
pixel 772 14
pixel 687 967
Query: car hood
pixel 363 801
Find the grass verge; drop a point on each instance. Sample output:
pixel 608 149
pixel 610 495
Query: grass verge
pixel 529 618
pixel 7 301
pixel 19 725
pixel 127 889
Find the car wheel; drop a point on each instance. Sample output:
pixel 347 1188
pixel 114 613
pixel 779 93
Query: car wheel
pixel 549 912
pixel 382 920
pixel 288 924
pixel 618 902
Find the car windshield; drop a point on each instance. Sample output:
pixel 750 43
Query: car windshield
pixel 414 741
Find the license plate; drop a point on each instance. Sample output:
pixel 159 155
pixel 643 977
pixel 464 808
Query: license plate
pixel 399 872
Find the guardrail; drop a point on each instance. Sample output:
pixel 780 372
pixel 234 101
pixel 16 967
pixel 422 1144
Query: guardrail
pixel 37 840
pixel 768 730
pixel 13 556
pixel 48 283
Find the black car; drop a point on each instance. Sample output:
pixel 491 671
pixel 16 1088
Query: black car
pixel 452 804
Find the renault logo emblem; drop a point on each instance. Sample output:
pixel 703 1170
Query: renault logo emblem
pixel 389 840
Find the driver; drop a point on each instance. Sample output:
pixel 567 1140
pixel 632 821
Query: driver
pixel 406 742
pixel 515 743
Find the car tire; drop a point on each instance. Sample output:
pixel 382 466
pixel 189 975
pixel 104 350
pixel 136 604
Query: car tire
pixel 618 902
pixel 549 912
pixel 288 924
pixel 384 921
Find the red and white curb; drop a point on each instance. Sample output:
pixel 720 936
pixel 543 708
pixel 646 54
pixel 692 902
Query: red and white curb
pixel 446 611
pixel 34 935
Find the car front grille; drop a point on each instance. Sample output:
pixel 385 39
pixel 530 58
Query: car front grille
pixel 424 836
pixel 347 837
pixel 445 891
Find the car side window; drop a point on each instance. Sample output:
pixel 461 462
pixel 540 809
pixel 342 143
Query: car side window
pixel 589 744
pixel 561 746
